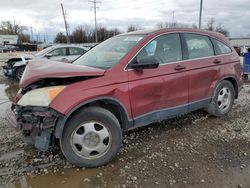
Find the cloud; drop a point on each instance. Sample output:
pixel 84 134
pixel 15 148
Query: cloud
pixel 46 17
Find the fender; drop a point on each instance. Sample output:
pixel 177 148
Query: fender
pixel 214 86
pixel 62 120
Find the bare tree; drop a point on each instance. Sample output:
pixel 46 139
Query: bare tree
pixel 172 25
pixel 85 34
pixel 132 28
pixel 60 38
pixel 221 29
pixel 79 35
pixel 212 26
pixel 24 38
pixel 7 28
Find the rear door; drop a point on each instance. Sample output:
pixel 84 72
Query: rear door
pixel 204 69
pixel 157 94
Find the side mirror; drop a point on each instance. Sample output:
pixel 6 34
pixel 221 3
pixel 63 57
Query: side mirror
pixel 48 56
pixel 148 63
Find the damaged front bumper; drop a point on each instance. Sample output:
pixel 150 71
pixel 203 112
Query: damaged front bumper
pixel 8 71
pixel 36 123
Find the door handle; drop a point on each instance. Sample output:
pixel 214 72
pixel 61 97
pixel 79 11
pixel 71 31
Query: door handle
pixel 216 61
pixel 179 67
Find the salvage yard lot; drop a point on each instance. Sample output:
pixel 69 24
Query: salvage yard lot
pixel 194 150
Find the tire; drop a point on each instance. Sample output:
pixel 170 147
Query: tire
pixel 245 76
pixel 19 73
pixel 222 100
pixel 91 138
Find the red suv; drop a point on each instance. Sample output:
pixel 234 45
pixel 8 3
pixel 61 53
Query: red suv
pixel 127 81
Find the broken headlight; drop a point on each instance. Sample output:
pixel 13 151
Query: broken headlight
pixel 41 96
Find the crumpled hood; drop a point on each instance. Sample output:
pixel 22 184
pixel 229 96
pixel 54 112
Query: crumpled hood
pixel 41 69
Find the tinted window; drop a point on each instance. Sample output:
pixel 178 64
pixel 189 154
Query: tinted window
pixel 165 49
pixel 76 51
pixel 199 46
pixel 58 52
pixel 221 48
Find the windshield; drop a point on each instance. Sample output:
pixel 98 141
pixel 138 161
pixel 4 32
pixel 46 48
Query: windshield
pixel 43 52
pixel 109 53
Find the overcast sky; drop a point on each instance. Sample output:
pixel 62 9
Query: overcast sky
pixel 45 16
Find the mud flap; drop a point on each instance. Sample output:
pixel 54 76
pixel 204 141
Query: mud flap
pixel 42 142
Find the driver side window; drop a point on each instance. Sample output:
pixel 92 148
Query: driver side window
pixel 164 49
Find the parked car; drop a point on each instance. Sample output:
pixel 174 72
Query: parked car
pixel 65 53
pixel 8 48
pixel 128 81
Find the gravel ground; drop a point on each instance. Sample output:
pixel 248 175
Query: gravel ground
pixel 192 151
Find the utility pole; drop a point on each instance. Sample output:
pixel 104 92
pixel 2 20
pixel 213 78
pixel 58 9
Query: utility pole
pixel 14 26
pixel 66 24
pixel 200 17
pixel 31 31
pixel 173 24
pixel 95 7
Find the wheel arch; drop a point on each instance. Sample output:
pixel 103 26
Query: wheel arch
pixel 108 103
pixel 233 81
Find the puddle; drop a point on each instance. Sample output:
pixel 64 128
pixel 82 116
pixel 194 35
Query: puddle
pixel 98 177
pixel 7 95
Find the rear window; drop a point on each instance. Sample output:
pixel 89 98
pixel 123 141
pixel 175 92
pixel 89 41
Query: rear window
pixel 199 46
pixel 221 48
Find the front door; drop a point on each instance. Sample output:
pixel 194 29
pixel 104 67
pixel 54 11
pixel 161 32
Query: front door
pixel 160 93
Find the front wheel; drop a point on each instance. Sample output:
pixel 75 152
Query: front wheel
pixel 223 99
pixel 19 73
pixel 91 138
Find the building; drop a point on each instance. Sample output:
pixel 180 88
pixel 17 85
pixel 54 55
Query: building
pixel 8 39
pixel 243 42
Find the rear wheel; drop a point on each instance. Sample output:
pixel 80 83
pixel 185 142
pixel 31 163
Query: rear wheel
pixel 223 99
pixel 19 73
pixel 91 138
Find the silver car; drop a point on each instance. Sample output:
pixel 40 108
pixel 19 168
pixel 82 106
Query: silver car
pixel 64 53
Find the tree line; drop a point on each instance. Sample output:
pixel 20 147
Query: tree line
pixel 86 33
pixel 7 28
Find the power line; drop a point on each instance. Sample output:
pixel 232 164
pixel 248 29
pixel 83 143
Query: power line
pixel 95 7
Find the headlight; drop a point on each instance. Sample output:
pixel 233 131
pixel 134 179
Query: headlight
pixel 41 96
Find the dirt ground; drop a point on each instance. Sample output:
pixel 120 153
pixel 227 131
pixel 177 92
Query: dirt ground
pixel 192 151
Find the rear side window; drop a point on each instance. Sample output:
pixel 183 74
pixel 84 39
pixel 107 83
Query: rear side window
pixel 76 51
pixel 58 52
pixel 199 46
pixel 165 49
pixel 221 48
